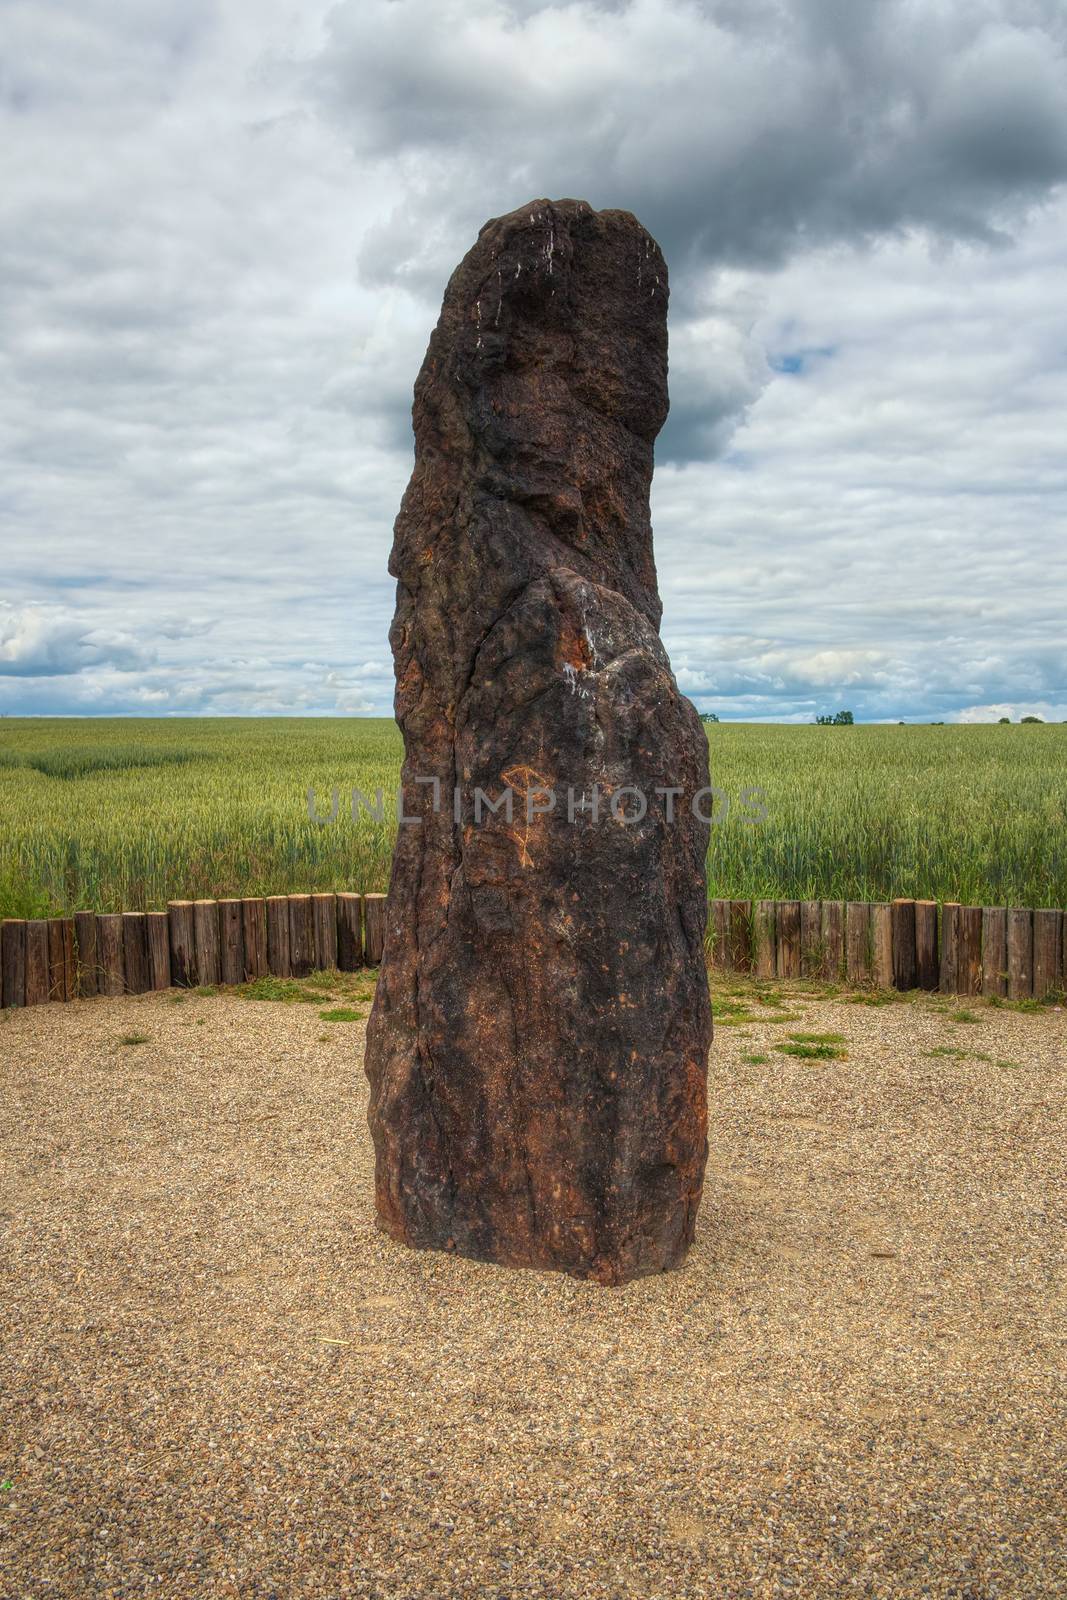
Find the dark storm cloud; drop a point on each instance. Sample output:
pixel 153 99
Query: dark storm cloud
pixel 740 134
pixel 737 133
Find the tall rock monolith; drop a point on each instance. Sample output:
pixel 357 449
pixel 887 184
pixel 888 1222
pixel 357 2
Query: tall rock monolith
pixel 537 1049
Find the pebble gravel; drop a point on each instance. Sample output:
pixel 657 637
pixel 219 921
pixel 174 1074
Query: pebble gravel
pixel 218 1379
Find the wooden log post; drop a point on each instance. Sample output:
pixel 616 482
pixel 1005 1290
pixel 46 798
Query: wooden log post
pixel 948 973
pixel 812 954
pixel 278 961
pixel 110 951
pixel 881 914
pixel 994 950
pixel 715 938
pixel 1048 940
pixel 182 944
pixel 55 960
pixel 739 935
pixel 324 917
pixel 857 941
pixel 36 961
pixel 349 932
pixel 13 962
pixel 254 927
pixel 969 950
pixel 905 967
pixel 206 934
pixel 833 938
pixel 766 958
pixel 1020 954
pixel 712 942
pixel 157 931
pixel 301 935
pixel 62 978
pixel 787 943
pixel 70 959
pixel 374 927
pixel 927 962
pixel 88 967
pixel 231 942
pixel 727 959
pixel 135 952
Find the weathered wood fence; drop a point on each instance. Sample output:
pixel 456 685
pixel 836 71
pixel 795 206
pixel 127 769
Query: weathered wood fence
pixel 1012 952
pixel 903 944
pixel 193 942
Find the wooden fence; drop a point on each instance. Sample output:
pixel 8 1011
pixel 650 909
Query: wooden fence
pixel 906 944
pixel 193 942
pixel 903 944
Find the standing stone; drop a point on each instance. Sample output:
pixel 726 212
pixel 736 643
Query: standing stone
pixel 537 1050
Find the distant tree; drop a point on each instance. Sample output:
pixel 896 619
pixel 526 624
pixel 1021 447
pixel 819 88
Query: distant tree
pixel 1031 719
pixel 708 716
pixel 1005 719
pixel 840 719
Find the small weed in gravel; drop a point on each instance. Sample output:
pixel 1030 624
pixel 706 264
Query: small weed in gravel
pixel 755 1060
pixel 811 1052
pixel 963 1015
pixel 949 1052
pixel 342 1014
pixel 731 1013
pixel 135 1038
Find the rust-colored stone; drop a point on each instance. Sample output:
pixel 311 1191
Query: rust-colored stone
pixel 538 1045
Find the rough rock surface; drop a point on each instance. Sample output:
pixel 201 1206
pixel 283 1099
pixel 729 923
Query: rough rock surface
pixel 537 1050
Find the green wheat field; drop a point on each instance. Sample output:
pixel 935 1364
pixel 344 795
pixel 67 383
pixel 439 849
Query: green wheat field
pixel 126 814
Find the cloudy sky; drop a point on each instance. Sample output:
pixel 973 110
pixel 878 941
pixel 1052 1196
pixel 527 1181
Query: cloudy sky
pixel 225 227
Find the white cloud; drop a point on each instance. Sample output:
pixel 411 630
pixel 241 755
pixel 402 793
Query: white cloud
pixel 1015 711
pixel 45 642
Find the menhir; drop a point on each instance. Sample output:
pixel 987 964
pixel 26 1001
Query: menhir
pixel 537 1051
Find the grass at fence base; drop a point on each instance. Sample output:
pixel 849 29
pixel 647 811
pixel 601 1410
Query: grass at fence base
pixel 126 814
pixel 739 1000
pixel 315 989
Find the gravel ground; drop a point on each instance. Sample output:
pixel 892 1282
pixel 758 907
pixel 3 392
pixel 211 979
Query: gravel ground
pixel 219 1380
